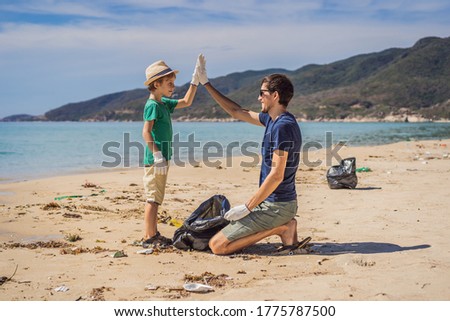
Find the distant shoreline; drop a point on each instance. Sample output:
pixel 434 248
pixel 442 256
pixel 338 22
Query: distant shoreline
pixel 389 119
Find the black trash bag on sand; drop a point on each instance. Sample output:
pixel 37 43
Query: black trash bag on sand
pixel 202 224
pixel 343 175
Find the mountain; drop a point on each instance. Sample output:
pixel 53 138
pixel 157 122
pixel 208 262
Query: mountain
pixel 23 117
pixel 392 84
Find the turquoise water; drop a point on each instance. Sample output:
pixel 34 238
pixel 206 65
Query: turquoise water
pixel 33 149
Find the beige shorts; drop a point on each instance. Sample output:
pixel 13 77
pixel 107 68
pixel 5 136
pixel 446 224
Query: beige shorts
pixel 154 185
pixel 265 216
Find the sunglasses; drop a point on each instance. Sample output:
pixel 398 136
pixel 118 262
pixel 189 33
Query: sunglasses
pixel 261 92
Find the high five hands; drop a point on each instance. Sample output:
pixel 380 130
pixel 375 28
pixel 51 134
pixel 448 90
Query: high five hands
pixel 200 75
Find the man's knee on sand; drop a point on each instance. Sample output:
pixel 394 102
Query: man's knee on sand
pixel 218 244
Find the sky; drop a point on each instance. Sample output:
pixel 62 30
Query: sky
pixel 55 52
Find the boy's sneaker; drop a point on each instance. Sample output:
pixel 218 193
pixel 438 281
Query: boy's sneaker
pixel 156 239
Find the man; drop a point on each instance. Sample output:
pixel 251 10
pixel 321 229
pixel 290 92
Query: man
pixel 271 210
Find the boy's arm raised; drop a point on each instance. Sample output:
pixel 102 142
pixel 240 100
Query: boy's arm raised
pixel 190 94
pixel 188 98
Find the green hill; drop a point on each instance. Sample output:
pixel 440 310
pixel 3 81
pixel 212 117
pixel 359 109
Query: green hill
pixel 392 83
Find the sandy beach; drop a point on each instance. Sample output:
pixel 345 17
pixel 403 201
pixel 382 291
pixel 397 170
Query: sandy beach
pixel 385 240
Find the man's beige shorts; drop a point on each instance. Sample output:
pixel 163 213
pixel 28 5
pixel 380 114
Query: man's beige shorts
pixel 263 217
pixel 154 185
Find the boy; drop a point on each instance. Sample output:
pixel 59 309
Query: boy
pixel 157 134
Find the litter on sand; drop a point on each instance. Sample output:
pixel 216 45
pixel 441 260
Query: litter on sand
pixel 62 288
pixel 78 196
pixel 119 254
pixel 363 169
pixel 151 287
pixel 197 287
pixel 175 222
pixel 145 251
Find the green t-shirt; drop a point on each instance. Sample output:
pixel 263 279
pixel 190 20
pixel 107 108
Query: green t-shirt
pixel 162 127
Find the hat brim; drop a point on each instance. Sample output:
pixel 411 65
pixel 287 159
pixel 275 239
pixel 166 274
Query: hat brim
pixel 156 77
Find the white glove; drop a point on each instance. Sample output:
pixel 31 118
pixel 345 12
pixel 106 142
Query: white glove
pixel 236 213
pixel 200 68
pixel 195 79
pixel 160 164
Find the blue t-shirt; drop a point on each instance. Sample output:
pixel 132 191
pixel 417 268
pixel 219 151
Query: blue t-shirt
pixel 283 134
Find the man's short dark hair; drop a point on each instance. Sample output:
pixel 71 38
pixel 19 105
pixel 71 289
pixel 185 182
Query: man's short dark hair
pixel 281 84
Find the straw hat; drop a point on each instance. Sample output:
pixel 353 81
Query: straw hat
pixel 157 70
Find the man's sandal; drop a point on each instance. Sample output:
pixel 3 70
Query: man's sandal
pixel 294 248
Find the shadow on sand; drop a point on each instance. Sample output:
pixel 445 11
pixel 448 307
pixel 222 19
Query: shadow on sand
pixel 363 248
pixel 338 248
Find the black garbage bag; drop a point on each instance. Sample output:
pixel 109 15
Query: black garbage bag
pixel 343 175
pixel 202 224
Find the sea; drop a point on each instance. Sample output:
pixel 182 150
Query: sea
pixel 30 150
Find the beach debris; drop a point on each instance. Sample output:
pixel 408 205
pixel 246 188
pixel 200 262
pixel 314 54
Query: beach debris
pixel 320 262
pixel 176 288
pixel 119 254
pixel 72 237
pixel 244 256
pixel 145 251
pixel 363 169
pixel 72 215
pixel 208 278
pixel 59 198
pixel 4 279
pixel 51 206
pixel 97 294
pixel 151 287
pixel 133 184
pixel 164 218
pixel 241 272
pixel 157 248
pixel 93 208
pixel 40 244
pixel 79 249
pixel 363 262
pixel 175 222
pixel 198 287
pixel 67 197
pixel 90 185
pixel 73 250
pixel 61 288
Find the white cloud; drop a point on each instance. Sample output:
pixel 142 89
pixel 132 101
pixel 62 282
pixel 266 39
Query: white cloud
pixel 76 8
